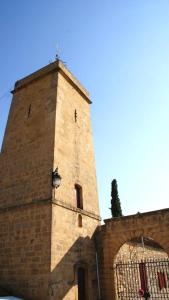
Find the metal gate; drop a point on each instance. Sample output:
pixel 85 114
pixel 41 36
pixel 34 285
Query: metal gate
pixel 142 280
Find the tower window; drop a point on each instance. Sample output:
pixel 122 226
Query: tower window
pixel 78 196
pixel 75 114
pixel 29 110
pixel 79 221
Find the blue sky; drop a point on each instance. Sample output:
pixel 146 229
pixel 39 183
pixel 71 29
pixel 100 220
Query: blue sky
pixel 119 50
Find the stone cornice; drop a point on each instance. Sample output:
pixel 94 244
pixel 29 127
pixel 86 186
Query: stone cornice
pixel 56 66
pixel 75 209
pixel 22 205
pixel 51 201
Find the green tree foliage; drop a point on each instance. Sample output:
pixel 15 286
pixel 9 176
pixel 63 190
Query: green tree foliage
pixel 116 210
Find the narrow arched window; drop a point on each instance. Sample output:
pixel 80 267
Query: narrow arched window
pixel 29 111
pixel 75 115
pixel 79 221
pixel 78 196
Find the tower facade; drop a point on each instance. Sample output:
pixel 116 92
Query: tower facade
pixel 47 248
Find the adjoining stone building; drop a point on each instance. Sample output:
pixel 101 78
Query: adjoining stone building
pixel 52 246
pixel 113 238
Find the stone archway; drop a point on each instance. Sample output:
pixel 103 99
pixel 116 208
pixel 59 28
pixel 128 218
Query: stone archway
pixel 141 267
pixel 117 231
pixel 140 248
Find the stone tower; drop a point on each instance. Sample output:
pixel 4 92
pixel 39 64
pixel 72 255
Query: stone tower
pixel 46 234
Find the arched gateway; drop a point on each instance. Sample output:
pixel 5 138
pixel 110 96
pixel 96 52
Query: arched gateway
pixel 117 231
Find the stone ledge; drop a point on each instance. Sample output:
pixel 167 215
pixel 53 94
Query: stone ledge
pixel 148 213
pixel 75 209
pixel 19 206
pixel 51 201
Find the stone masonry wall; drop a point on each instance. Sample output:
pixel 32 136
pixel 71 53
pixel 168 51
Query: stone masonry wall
pixel 74 147
pixel 26 161
pixel 42 243
pixel 26 165
pixel 71 247
pixel 25 251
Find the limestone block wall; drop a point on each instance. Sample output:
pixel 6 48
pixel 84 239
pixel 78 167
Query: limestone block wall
pixel 25 251
pixel 48 126
pixel 72 246
pixel 74 152
pixel 26 160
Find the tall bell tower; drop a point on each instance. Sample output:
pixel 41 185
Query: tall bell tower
pixel 47 232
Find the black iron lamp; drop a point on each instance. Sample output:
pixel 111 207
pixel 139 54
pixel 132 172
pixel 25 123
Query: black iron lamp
pixel 56 178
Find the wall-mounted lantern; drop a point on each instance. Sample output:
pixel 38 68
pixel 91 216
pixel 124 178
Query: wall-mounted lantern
pixel 56 178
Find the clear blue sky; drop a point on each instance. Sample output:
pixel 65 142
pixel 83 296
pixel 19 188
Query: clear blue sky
pixel 119 50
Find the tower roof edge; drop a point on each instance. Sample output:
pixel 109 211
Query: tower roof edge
pixel 56 66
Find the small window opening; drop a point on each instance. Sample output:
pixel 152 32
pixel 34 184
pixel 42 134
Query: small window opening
pixel 29 110
pixel 75 115
pixel 78 195
pixel 79 221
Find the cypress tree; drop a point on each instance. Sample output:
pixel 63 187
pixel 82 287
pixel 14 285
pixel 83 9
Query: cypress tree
pixel 116 210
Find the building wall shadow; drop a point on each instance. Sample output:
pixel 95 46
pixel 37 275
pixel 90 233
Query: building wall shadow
pixel 63 281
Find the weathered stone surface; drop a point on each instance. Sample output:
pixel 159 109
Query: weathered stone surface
pixel 25 251
pixel 42 245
